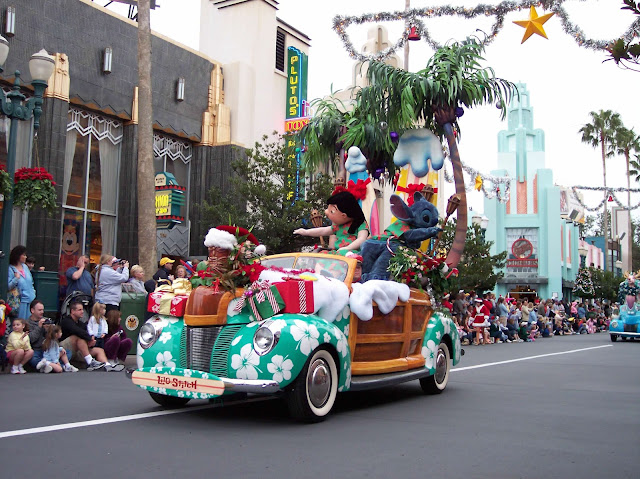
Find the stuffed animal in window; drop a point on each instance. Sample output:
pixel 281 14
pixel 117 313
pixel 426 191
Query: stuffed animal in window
pixel 69 250
pixel 416 223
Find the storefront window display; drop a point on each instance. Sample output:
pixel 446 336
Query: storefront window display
pixel 90 188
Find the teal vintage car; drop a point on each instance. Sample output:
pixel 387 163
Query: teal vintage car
pixel 218 349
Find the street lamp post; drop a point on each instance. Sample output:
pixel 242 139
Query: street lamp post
pixel 481 222
pixel 41 66
pixel 583 251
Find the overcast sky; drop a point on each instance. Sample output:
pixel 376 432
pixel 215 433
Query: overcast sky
pixel 565 81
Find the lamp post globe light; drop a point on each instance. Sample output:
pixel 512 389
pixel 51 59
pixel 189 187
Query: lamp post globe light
pixel 583 251
pixel 41 66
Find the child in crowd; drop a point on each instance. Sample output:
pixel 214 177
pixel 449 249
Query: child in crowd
pixel 53 353
pixel 19 350
pixel 97 326
pixel 117 345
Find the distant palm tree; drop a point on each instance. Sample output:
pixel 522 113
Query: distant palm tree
pixel 635 169
pixel 601 132
pixel 627 141
pixel 401 100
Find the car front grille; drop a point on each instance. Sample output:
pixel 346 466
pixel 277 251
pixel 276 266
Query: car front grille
pixel 630 328
pixel 208 348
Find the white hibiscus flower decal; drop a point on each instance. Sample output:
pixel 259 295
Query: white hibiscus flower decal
pixel 180 394
pixel 438 334
pixel 165 360
pixel 164 337
pixel 236 340
pixel 245 362
pixel 162 391
pixel 447 326
pixel 341 346
pixel 429 354
pixel 347 381
pixel 326 338
pixel 456 349
pixel 346 312
pixel 346 330
pixel 187 373
pixel 277 325
pixel 306 334
pixel 280 368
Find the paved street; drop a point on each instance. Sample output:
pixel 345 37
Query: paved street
pixel 561 407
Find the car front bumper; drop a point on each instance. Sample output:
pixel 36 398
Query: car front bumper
pixel 189 383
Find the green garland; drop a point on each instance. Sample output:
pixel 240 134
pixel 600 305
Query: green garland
pixel 5 183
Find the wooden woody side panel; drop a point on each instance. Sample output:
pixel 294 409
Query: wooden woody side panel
pixel 390 342
pixel 208 308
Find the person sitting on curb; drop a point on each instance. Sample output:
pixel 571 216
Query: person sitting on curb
pixel 37 333
pixel 76 339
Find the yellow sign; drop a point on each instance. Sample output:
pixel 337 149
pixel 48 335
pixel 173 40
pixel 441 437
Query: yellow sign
pixel 163 203
pixel 295 124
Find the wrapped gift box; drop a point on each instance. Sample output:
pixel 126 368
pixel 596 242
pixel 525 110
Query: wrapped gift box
pixel 168 303
pixel 297 295
pixel 265 303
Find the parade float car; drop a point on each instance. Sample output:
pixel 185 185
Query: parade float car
pixel 313 348
pixel 625 324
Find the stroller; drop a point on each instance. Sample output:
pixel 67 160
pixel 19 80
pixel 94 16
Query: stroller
pixel 85 299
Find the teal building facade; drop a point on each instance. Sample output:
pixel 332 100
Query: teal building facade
pixel 541 242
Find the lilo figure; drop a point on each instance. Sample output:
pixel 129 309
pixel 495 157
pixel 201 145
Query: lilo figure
pixel 348 228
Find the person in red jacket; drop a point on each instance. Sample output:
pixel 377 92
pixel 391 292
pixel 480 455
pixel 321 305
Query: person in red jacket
pixel 447 303
pixel 481 323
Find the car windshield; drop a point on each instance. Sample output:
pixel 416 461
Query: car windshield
pixel 330 267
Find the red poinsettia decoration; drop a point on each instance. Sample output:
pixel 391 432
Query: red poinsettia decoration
pixel 34 187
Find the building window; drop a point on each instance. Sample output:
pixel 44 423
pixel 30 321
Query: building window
pixel 90 188
pixel 280 50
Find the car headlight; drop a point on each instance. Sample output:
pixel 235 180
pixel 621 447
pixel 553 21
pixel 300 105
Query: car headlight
pixel 264 339
pixel 149 334
pixel 614 324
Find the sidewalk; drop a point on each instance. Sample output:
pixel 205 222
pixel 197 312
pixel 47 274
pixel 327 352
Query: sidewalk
pixel 130 362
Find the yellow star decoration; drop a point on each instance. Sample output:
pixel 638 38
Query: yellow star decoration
pixel 478 183
pixel 534 24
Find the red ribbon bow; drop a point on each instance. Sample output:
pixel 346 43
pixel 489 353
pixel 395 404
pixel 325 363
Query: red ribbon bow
pixel 410 190
pixel 359 188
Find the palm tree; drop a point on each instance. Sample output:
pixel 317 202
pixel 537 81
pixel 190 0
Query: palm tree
pixel 322 134
pixel 400 100
pixel 627 141
pixel 635 169
pixel 601 132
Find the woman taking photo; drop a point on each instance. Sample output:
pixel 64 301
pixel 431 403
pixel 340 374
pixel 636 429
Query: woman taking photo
pixel 111 273
pixel 20 287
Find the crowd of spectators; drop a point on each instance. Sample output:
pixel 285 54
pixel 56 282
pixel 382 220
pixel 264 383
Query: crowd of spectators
pixel 491 320
pixel 87 329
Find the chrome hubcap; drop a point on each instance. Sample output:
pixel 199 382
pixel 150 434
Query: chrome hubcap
pixel 441 366
pixel 318 383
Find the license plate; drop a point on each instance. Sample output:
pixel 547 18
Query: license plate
pixel 179 382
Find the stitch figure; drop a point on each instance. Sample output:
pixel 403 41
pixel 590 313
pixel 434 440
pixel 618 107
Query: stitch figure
pixel 415 224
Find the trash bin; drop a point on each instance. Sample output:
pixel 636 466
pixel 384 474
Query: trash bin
pixel 133 307
pixel 46 284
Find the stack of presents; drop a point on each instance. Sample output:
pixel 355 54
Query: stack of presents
pixel 262 299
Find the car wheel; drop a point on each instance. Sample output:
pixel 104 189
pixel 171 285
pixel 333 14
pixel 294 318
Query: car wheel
pixel 168 401
pixel 614 338
pixel 312 395
pixel 436 383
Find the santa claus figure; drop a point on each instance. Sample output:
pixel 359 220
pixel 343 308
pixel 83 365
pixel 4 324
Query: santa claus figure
pixel 481 323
